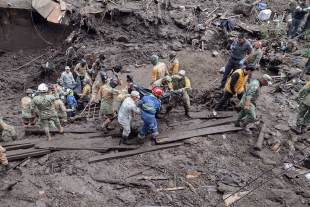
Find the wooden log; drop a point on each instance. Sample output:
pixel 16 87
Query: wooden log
pixel 96 149
pixel 22 151
pixel 20 146
pixel 30 154
pixel 197 132
pixel 209 114
pixel 260 140
pixel 132 152
pixel 123 182
pixel 12 168
pixel 170 189
pixel 55 130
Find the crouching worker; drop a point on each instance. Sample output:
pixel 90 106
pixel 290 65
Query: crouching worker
pixel 5 127
pixel 127 111
pixel 61 111
pixel 71 104
pixel 150 105
pixel 3 159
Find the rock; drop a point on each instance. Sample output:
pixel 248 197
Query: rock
pixel 123 39
pixel 282 127
pixel 176 45
pixel 215 53
pixel 268 161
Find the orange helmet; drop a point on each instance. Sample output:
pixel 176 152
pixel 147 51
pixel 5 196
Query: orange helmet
pixel 157 91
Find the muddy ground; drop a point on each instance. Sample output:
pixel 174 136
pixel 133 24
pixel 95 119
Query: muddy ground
pixel 226 161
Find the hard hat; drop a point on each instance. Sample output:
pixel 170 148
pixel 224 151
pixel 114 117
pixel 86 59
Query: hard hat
pixel 114 82
pixel 157 91
pixel 168 78
pixel 181 74
pixel 86 80
pixel 103 76
pixel 42 88
pixel 67 68
pixel 172 54
pixel 154 59
pixel 97 60
pixel 83 62
pixel 29 91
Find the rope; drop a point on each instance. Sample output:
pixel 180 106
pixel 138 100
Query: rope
pixel 281 163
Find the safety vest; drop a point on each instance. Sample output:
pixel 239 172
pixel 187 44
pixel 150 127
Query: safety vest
pixel 239 86
pixel 159 71
pixel 308 84
pixel 26 102
pixel 106 92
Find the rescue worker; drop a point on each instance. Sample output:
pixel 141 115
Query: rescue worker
pixel 61 111
pixel 235 86
pixel 306 67
pixel 182 84
pixel 255 59
pixel 173 64
pixel 98 84
pixel 44 104
pixel 95 69
pixel 164 83
pixel 3 159
pixel 71 103
pixel 67 76
pixel 303 117
pixel 159 69
pixel 126 112
pixel 124 91
pixel 150 105
pixel 81 70
pixel 107 93
pixel 60 88
pixel 85 96
pixel 27 116
pixel 6 127
pixel 248 102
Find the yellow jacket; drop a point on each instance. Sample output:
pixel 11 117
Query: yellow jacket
pixel 239 86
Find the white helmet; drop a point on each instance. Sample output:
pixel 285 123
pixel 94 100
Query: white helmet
pixel 42 88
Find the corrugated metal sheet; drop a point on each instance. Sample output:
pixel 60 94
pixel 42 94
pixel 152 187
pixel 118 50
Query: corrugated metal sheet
pixel 44 7
pixel 56 15
pixel 15 4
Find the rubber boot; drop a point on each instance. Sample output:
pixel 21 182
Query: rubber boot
pixel 48 137
pixel 245 128
pixel 303 129
pixel 127 141
pixel 139 140
pixel 187 114
pixel 104 127
pixel 296 129
pixel 14 137
pixel 61 130
pixel 7 167
pixel 237 123
pixel 109 128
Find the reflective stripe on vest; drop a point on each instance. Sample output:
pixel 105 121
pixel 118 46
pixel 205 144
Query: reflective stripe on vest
pixel 25 103
pixel 239 86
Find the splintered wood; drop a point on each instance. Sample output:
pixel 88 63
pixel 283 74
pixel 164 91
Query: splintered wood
pixel 191 175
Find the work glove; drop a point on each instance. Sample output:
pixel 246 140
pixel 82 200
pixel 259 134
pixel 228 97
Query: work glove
pixel 73 109
pixel 3 150
pixel 241 61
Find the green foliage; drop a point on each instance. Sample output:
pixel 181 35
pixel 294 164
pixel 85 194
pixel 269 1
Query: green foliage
pixel 307 36
pixel 273 33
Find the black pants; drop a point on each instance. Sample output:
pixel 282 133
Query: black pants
pixel 231 65
pixel 305 69
pixel 226 96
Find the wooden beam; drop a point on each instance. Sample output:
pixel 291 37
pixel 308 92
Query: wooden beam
pixel 63 6
pixel 54 130
pixel 30 154
pixel 20 146
pixel 96 149
pixel 132 152
pixel 22 151
pixel 197 132
pixel 260 140
pixel 20 142
pixel 209 114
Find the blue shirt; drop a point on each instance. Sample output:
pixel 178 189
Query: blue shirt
pixel 149 104
pixel 71 101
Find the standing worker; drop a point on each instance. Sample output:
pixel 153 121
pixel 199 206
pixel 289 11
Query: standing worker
pixel 242 50
pixel 67 76
pixel 27 116
pixel 85 96
pixel 235 86
pixel 44 103
pixel 81 70
pixel 159 69
pixel 107 93
pixel 303 117
pixel 248 102
pixel 98 84
pixel 3 159
pixel 150 105
pixel 255 59
pixel 95 69
pixel 173 64
pixel 306 26
pixel 126 112
pixel 306 67
pixel 301 10
pixel 72 103
pixel 61 111
pixel 6 127
pixel 182 84
pixel 164 83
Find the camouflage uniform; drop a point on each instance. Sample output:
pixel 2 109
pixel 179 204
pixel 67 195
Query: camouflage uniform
pixel 96 89
pixel 60 110
pixel 95 70
pixel 85 97
pixel 303 117
pixel 45 105
pixel 106 108
pixel 173 68
pixel 27 116
pixel 166 87
pixel 253 92
pixel 5 127
pixel 82 71
pixel 3 159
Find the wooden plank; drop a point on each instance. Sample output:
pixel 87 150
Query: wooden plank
pixel 30 154
pixel 132 152
pixel 55 130
pixel 63 5
pixel 22 151
pixel 55 15
pixel 44 7
pixel 96 149
pixel 20 142
pixel 209 114
pixel 260 140
pixel 196 133
pixel 20 146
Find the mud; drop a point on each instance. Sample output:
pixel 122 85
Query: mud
pixel 65 178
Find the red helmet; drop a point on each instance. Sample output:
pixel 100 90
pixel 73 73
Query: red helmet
pixel 157 91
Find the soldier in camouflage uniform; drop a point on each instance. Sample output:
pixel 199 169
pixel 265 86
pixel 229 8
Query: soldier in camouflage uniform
pixel 182 84
pixel 173 68
pixel 164 83
pixel 5 127
pixel 95 69
pixel 3 159
pixel 85 96
pixel 81 70
pixel 303 117
pixel 159 69
pixel 248 103
pixel 107 93
pixel 98 84
pixel 61 111
pixel 124 92
pixel 27 116
pixel 45 106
